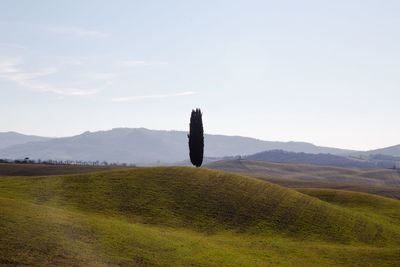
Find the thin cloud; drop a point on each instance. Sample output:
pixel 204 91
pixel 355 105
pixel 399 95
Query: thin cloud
pixel 9 65
pixel 135 98
pixel 10 72
pixel 41 87
pixel 78 32
pixel 24 76
pixel 58 29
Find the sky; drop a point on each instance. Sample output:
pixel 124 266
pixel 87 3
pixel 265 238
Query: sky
pixel 325 72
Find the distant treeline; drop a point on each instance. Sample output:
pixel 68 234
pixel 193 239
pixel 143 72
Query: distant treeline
pixel 65 162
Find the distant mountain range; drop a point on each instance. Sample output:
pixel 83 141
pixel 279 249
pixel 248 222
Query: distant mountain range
pixel 141 146
pixel 12 138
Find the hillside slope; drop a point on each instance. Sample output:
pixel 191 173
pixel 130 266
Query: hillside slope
pixel 38 235
pixel 381 177
pixel 384 191
pixel 390 151
pixel 380 208
pixel 180 216
pixel 200 199
pixel 313 159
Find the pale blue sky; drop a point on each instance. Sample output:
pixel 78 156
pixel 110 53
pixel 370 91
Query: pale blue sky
pixel 326 72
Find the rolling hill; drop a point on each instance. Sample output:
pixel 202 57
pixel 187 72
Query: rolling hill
pixel 384 191
pixel 305 172
pixel 313 159
pixel 180 216
pixel 321 159
pixel 393 151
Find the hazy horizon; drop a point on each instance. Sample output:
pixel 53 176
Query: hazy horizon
pixel 321 72
pixel 207 133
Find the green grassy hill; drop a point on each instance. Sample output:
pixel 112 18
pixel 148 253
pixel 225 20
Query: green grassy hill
pixel 355 200
pixel 380 177
pixel 380 209
pixel 384 191
pixel 171 216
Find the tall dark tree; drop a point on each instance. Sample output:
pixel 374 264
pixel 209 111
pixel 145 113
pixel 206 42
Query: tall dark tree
pixel 196 138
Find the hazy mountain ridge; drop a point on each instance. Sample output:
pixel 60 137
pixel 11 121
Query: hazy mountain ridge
pixel 140 145
pixel 12 138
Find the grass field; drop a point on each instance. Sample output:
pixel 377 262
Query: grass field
pixel 384 191
pixel 181 216
pixel 307 176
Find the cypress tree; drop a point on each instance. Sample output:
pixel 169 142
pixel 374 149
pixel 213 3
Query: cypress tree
pixel 196 138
